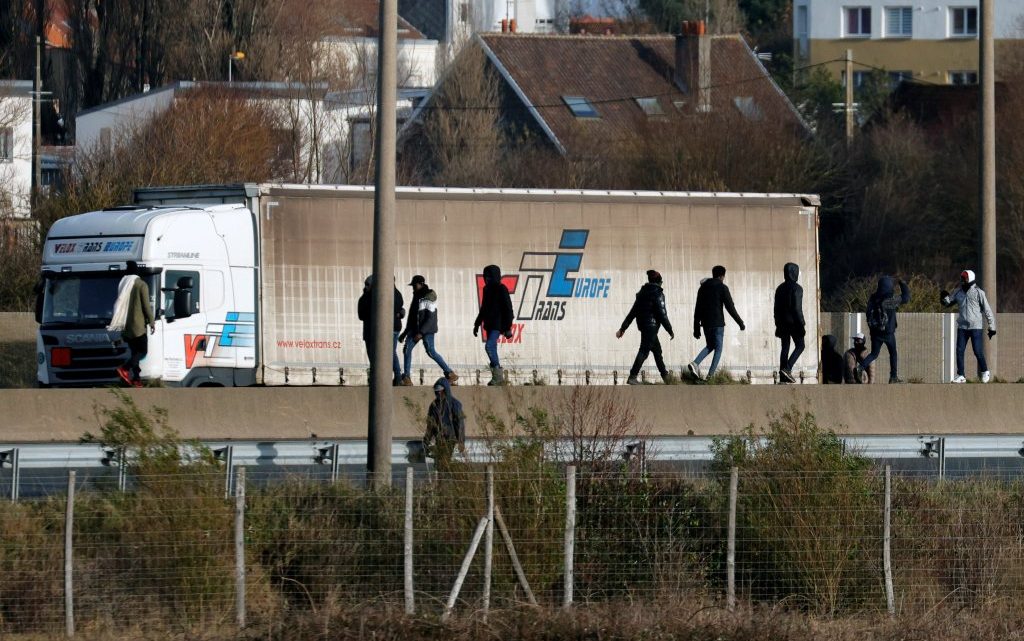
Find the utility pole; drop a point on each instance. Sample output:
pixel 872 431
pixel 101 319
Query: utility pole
pixel 849 97
pixel 381 394
pixel 37 117
pixel 987 159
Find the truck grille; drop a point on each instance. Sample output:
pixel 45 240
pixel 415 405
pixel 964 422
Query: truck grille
pixel 92 365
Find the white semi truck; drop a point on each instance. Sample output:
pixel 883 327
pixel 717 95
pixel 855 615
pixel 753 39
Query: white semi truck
pixel 258 284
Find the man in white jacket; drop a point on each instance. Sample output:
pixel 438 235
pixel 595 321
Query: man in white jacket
pixel 974 311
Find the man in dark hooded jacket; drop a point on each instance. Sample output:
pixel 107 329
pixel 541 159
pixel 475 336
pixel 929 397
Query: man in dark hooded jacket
pixel 789 320
pixel 446 425
pixel 365 310
pixel 496 317
pixel 651 315
pixel 422 327
pixel 881 318
pixel 713 297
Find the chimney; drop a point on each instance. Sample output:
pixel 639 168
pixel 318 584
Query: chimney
pixel 693 64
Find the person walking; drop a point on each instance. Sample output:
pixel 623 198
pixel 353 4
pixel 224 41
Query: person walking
pixel 133 311
pixel 422 326
pixel 496 318
pixel 651 315
pixel 365 311
pixel 852 374
pixel 974 311
pixel 881 317
pixel 712 297
pixel 789 320
pixel 446 425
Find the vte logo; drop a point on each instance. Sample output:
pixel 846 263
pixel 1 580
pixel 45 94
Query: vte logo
pixel 538 300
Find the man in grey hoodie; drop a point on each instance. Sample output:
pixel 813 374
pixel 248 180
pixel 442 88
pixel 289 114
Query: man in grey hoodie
pixel 970 323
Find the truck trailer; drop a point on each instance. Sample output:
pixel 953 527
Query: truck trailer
pixel 257 284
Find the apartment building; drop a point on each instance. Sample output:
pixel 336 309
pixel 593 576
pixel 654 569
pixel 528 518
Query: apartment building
pixel 927 40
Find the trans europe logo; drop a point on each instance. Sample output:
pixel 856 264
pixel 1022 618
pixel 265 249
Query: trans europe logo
pixel 548 281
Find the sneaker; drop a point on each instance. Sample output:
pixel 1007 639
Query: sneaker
pixel 137 382
pixel 452 377
pixel 986 377
pixel 125 375
pixel 632 380
pixel 668 378
pixel 895 380
pixel 406 381
pixel 959 379
pixel 786 376
pixel 694 370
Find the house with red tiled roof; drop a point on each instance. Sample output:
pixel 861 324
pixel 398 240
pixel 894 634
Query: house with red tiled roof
pixel 567 88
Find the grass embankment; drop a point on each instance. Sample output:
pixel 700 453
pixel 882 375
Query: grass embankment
pixel 325 561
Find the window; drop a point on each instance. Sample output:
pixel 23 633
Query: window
pixel 963 77
pixel 963 21
pixel 580 107
pixel 802 30
pixel 858 22
pixel 6 144
pixel 860 78
pixel 651 106
pixel 748 107
pixel 897 77
pixel 171 278
pixel 899 22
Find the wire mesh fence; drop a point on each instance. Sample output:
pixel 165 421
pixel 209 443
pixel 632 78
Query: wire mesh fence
pixel 173 548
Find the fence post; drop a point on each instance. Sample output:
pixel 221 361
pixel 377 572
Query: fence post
pixel 516 565
pixel 464 570
pixel 14 457
pixel 570 531
pixel 890 601
pixel 489 541
pixel 734 479
pixel 410 597
pixel 240 548
pixel 69 530
pixel 948 347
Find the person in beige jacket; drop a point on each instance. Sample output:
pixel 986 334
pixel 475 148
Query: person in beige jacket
pixel 132 314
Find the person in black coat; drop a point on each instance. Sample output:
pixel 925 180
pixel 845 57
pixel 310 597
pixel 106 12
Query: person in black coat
pixel 789 320
pixel 651 315
pixel 496 318
pixel 881 319
pixel 712 297
pixel 365 310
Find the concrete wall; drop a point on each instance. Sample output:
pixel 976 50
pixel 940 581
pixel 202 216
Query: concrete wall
pixel 341 413
pixel 926 346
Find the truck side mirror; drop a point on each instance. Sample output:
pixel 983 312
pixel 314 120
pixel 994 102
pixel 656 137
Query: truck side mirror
pixel 183 298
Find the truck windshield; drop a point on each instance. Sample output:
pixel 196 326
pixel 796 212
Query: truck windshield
pixel 85 300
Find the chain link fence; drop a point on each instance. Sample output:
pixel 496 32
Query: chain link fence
pixel 177 551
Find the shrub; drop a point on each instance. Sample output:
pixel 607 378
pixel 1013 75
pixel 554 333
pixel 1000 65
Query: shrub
pixel 808 513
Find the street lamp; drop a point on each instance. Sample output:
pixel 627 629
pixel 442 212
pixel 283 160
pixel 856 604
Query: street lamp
pixel 237 55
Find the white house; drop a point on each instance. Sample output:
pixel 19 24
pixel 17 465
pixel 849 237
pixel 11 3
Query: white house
pixel 928 40
pixel 15 148
pixel 333 127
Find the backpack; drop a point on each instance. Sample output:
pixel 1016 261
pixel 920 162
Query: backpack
pixel 878 318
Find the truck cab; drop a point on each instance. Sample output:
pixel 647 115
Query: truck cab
pixel 199 265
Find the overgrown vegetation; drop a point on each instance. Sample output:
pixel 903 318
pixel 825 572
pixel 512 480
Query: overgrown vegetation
pixel 320 555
